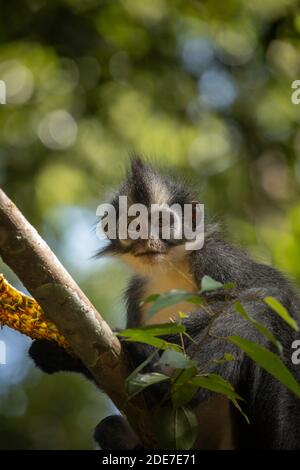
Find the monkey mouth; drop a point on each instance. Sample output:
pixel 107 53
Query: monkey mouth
pixel 149 253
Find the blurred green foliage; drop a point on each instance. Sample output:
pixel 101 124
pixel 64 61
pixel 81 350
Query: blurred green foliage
pixel 202 87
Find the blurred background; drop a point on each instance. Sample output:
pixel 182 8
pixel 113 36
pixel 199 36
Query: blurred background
pixel 201 87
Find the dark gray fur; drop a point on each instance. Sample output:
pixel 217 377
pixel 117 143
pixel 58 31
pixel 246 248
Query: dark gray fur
pixel 274 412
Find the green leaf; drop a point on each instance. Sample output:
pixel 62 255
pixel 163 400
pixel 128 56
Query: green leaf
pixel 169 298
pixel 268 361
pixel 183 395
pixel 141 366
pixel 226 358
pixel 229 285
pixel 141 381
pixel 175 360
pixel 156 342
pixel 209 284
pixel 151 298
pixel 238 407
pixel 153 330
pixel 184 375
pixel 175 429
pixel 281 311
pixel 182 391
pixel 261 328
pixel 182 315
pixel 229 357
pixel 216 384
pixel 148 335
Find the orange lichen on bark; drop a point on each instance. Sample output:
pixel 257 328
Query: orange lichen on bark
pixel 24 314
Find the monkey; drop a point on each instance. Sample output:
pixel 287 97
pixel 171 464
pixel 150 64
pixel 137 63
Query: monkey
pixel 160 265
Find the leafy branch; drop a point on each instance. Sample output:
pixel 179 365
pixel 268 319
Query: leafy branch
pixel 181 371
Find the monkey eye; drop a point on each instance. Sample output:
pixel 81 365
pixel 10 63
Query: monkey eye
pixel 135 230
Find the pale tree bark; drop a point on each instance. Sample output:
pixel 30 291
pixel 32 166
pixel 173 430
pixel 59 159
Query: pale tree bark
pixel 89 336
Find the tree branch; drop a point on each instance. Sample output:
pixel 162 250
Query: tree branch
pixel 28 255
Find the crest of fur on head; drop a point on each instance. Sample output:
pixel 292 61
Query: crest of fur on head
pixel 145 185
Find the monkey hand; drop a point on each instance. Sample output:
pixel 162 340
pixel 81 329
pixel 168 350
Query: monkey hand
pixel 51 358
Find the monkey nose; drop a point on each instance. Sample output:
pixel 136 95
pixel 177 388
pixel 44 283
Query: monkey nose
pixel 154 245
